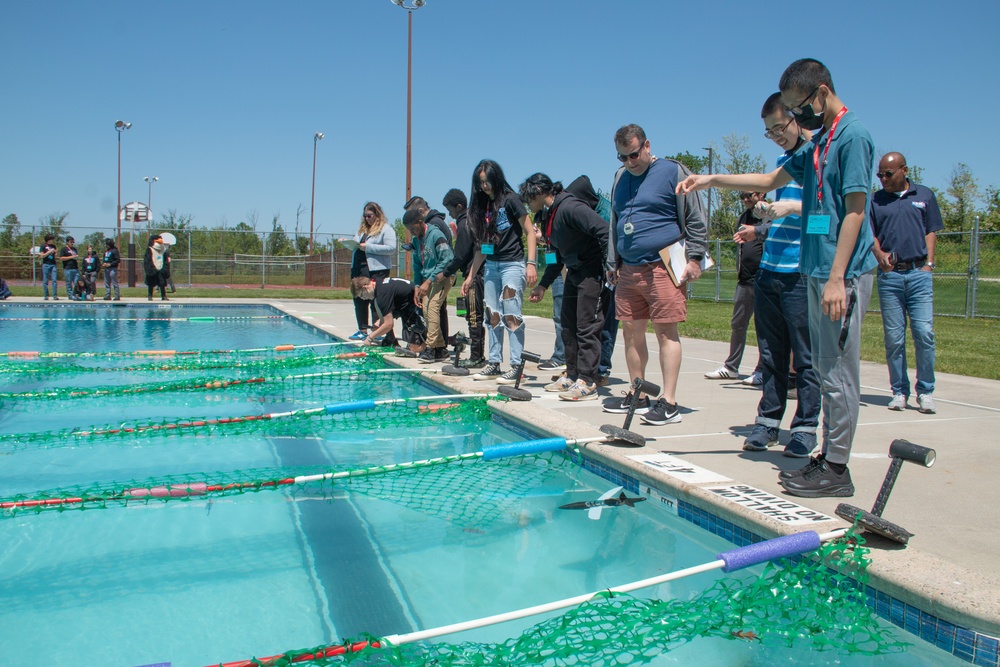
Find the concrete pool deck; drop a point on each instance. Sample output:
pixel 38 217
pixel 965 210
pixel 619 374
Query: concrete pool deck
pixel 950 567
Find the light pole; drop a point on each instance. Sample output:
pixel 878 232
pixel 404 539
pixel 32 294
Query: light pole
pixel 149 198
pixel 312 204
pixel 417 4
pixel 120 126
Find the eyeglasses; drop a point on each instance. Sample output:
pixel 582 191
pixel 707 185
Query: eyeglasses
pixel 776 131
pixel 798 107
pixel 888 172
pixel 631 156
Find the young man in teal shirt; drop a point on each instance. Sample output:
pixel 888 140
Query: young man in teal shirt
pixel 836 258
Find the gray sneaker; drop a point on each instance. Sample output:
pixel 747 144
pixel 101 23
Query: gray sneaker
pixel 760 438
pixel 926 404
pixel 801 445
pixel 897 403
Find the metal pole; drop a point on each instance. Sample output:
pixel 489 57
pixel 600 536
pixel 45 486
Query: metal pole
pixel 409 105
pixel 118 218
pixel 190 280
pixel 973 268
pixel 312 203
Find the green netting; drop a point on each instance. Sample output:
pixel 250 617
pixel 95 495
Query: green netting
pixel 808 604
pixel 267 364
pixel 455 488
pixel 290 386
pixel 309 422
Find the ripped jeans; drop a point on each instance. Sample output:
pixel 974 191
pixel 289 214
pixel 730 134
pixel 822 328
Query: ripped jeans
pixel 503 291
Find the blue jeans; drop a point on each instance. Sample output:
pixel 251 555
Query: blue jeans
pixel 49 275
pixel 556 290
pixel 71 276
pixel 901 294
pixel 503 292
pixel 781 310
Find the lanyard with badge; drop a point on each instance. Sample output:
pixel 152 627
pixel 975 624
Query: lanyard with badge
pixel 550 256
pixel 820 223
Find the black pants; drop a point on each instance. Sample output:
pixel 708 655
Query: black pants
pixel 474 317
pixel 582 321
pixel 363 306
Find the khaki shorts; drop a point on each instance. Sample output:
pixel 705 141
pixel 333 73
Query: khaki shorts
pixel 646 292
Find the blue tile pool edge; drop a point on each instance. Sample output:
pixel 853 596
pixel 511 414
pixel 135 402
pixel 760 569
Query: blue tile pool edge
pixel 962 642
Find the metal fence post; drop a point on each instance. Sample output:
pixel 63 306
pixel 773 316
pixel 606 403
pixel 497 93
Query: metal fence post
pixel 263 260
pixel 973 283
pixel 190 274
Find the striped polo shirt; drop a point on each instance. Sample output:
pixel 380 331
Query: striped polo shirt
pixel 781 249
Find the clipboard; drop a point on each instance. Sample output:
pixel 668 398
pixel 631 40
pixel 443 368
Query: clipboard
pixel 675 260
pixel 350 244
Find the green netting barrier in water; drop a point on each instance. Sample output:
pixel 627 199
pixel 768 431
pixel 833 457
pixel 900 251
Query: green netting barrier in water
pixel 462 489
pixel 267 364
pixel 291 386
pixel 393 413
pixel 811 603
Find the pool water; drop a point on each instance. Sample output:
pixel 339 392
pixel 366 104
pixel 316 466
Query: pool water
pixel 196 582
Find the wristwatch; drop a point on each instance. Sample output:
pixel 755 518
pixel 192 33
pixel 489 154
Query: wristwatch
pixel 930 264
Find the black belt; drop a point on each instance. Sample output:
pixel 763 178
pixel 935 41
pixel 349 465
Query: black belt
pixel 906 266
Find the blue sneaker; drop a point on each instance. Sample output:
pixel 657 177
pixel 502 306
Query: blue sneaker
pixel 359 335
pixel 760 438
pixel 801 445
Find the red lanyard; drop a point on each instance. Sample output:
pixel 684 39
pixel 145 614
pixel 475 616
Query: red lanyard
pixel 816 163
pixel 548 228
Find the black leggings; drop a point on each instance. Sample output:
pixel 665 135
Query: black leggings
pixel 363 306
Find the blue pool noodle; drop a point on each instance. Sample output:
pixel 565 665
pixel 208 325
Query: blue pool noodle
pixel 761 552
pixel 525 447
pixel 350 406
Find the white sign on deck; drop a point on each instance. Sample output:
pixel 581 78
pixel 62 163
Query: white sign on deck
pixel 779 509
pixel 679 468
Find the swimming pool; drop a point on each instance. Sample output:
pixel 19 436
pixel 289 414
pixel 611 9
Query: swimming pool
pixel 199 581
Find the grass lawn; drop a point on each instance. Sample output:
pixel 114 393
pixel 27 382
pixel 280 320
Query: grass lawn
pixel 964 346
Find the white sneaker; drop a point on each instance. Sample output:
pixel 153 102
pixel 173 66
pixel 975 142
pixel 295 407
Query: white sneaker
pixel 722 373
pixel 926 404
pixel 562 383
pixel 753 380
pixel 897 403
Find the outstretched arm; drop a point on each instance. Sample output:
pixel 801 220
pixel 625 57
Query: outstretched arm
pixel 750 182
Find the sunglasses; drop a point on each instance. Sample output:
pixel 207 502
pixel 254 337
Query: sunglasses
pixel 368 216
pixel 631 156
pixel 888 173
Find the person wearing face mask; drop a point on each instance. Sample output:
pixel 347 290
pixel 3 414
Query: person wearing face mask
pixel 156 267
pixel 835 258
pixel 905 218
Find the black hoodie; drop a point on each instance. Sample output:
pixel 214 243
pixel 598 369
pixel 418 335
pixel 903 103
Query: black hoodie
pixel 577 233
pixel 465 248
pixel 435 217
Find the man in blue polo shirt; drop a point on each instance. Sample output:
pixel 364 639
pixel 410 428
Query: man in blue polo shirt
pixel 835 257
pixel 905 217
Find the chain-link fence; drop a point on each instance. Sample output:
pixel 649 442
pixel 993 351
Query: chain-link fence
pixel 966 275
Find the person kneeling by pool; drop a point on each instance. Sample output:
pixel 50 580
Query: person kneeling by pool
pixel 393 297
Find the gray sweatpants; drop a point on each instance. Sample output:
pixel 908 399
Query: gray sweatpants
pixel 839 368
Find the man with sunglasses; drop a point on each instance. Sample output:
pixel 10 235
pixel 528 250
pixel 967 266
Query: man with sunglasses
pixel 905 219
pixel 648 216
pixel 835 257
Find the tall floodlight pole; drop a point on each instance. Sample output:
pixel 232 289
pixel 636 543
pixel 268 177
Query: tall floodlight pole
pixel 312 204
pixel 120 126
pixel 417 4
pixel 149 198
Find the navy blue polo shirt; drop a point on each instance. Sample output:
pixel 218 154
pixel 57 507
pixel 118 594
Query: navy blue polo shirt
pixel 901 223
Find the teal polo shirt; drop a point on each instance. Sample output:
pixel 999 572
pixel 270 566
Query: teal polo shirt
pixel 849 167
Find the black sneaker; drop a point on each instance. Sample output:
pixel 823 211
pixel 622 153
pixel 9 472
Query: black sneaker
pixel 489 372
pixel 478 362
pixel 662 413
pixel 820 482
pixel 510 377
pixel 620 405
pixel 428 356
pixel 406 353
pixel 552 365
pixel 813 462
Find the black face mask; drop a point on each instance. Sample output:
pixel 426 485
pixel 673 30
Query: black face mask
pixel 807 119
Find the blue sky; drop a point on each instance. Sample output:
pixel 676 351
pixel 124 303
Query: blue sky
pixel 225 97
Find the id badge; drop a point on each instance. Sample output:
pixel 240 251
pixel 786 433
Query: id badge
pixel 486 249
pixel 550 258
pixel 818 224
